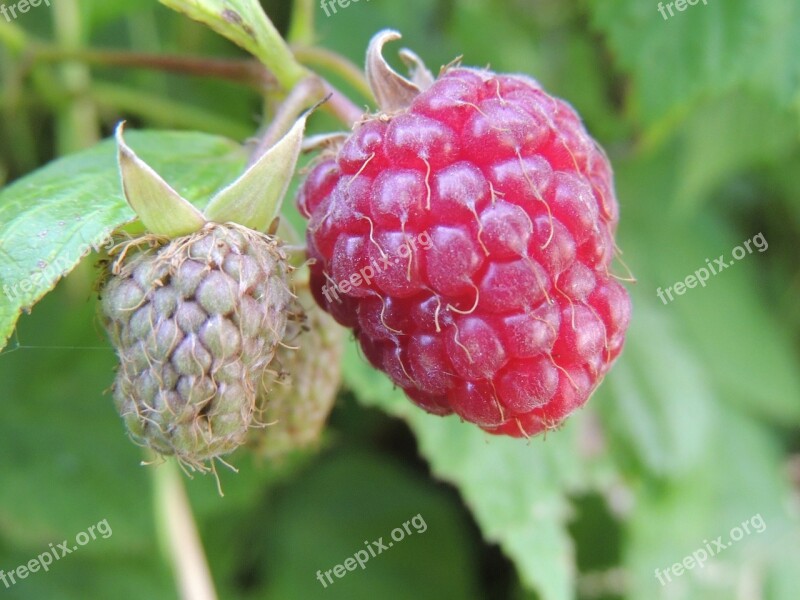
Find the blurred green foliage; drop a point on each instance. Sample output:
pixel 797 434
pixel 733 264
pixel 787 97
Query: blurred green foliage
pixel 694 431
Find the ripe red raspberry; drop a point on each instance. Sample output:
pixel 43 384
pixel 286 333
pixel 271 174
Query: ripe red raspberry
pixel 466 239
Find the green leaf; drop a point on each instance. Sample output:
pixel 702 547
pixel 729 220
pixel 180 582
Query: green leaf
pixel 77 577
pixel 53 217
pixel 66 461
pixel 516 490
pixel 245 24
pixel 657 403
pixel 707 49
pixel 736 483
pixel 162 210
pixel 726 326
pixel 255 198
pixel 729 135
pixel 345 498
pixel 743 344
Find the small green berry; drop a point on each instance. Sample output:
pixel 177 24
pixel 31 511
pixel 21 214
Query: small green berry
pixel 298 394
pixel 195 321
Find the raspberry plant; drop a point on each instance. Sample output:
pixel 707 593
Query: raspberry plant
pixel 329 253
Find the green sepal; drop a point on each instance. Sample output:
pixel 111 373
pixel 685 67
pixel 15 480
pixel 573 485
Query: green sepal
pixel 162 210
pixel 255 198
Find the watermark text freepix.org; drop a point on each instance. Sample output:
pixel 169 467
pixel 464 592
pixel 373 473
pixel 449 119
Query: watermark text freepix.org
pixel 703 274
pixel 329 6
pixel 12 11
pixel 26 284
pixel 680 5
pixel 55 552
pixel 365 275
pixel 711 548
pixel 360 558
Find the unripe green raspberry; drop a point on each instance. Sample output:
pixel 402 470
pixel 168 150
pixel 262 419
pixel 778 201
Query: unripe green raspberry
pixel 195 322
pixel 296 403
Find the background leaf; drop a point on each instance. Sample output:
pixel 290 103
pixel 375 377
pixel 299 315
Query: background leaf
pixel 60 429
pixel 708 49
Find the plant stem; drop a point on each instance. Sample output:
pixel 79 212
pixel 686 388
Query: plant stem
pixel 341 106
pixel 306 93
pixel 77 125
pixel 179 535
pixel 301 28
pixel 278 57
pixel 249 28
pixel 16 134
pixel 336 63
pixel 166 113
pixel 249 72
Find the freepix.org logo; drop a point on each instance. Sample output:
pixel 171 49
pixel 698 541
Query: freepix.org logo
pixel 12 11
pixel 361 557
pixel 703 274
pixel 55 552
pixel 332 289
pixel 329 7
pixel 680 5
pixel 700 556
